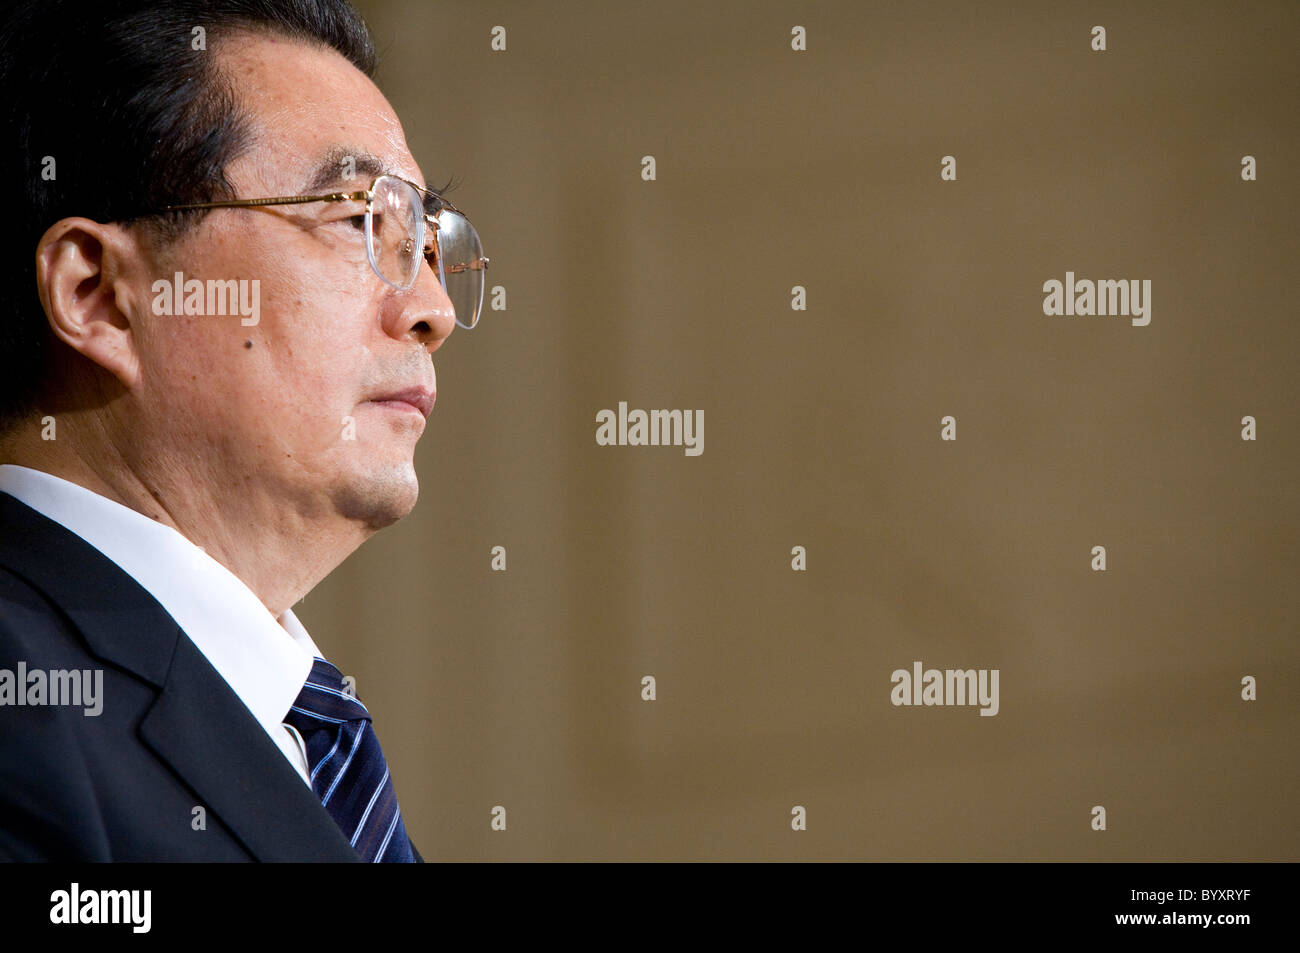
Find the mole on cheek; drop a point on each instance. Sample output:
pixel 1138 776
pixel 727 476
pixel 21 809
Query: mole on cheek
pixel 248 344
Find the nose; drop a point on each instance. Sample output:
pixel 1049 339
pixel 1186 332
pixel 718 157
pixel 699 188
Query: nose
pixel 422 312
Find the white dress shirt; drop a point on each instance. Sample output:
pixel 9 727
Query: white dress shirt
pixel 264 660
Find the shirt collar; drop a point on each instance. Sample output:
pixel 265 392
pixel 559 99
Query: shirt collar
pixel 265 661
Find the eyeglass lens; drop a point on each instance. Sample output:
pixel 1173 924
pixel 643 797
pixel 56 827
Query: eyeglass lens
pixel 395 221
pixel 395 244
pixel 461 264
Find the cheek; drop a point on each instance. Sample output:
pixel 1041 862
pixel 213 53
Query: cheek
pixel 202 370
pixel 294 374
pixel 312 354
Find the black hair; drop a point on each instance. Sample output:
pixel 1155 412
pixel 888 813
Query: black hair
pixel 112 109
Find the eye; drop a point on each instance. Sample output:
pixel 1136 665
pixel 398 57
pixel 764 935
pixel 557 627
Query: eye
pixel 349 222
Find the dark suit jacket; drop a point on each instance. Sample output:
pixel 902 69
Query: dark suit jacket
pixel 172 735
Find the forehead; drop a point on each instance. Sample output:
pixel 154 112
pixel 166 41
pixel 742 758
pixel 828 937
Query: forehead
pixel 310 109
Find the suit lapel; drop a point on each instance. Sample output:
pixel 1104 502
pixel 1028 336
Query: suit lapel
pixel 197 724
pixel 235 768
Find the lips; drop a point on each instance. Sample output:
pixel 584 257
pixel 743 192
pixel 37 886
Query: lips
pixel 418 397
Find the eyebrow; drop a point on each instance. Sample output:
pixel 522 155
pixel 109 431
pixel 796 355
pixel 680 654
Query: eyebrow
pixel 328 173
pixel 329 170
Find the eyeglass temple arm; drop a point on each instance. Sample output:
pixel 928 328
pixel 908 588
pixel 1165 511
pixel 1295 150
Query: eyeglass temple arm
pixel 478 264
pixel 283 200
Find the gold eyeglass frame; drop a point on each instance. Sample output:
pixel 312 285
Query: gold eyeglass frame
pixel 432 254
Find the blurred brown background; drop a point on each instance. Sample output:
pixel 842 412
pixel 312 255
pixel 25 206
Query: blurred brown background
pixel 778 168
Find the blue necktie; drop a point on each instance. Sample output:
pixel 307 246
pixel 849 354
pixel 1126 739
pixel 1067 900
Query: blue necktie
pixel 347 767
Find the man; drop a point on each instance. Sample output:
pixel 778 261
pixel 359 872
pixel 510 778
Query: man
pixel 204 411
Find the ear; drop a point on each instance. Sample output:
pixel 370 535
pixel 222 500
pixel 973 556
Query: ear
pixel 78 267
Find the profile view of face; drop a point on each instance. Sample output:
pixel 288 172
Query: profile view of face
pixel 290 411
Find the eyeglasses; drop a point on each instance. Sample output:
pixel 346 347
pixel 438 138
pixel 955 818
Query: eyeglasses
pixel 405 224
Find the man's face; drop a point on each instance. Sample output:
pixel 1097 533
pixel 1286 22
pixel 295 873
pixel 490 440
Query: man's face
pixel 286 411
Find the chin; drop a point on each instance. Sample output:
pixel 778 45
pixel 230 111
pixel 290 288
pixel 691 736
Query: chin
pixel 379 498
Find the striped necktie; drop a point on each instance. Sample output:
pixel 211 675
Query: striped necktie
pixel 348 772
